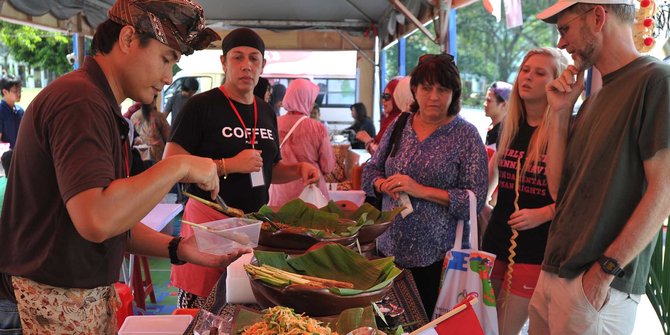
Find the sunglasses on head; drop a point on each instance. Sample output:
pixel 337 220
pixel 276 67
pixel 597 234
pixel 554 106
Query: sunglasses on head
pixel 386 96
pixel 443 56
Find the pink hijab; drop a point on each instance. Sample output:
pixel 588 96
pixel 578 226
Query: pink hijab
pixel 300 96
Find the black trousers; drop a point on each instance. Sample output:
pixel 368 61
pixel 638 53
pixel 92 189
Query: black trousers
pixel 428 283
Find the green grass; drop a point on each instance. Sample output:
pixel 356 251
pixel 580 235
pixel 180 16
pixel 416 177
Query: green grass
pixel 166 296
pixel 3 186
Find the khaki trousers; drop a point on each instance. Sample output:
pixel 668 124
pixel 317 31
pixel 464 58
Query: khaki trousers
pixel 559 306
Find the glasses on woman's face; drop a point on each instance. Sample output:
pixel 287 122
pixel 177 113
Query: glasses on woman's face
pixel 386 96
pixel 443 56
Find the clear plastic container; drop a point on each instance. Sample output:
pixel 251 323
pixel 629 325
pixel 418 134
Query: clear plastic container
pixel 155 324
pixel 239 229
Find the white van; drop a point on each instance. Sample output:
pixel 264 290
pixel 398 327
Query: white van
pixel 206 81
pixel 333 71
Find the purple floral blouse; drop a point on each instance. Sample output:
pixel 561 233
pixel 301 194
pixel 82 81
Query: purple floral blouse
pixel 452 158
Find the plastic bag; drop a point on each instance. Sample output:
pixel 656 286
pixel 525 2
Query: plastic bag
pixel 313 195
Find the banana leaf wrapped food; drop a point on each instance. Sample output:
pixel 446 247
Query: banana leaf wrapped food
pixel 369 280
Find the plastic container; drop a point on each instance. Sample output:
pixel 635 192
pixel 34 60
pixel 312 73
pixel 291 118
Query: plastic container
pixel 155 324
pixel 238 288
pixel 213 243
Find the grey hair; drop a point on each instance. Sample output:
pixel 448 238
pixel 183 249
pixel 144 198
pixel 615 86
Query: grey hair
pixel 625 13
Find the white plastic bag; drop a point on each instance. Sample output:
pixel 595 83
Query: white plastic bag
pixel 313 195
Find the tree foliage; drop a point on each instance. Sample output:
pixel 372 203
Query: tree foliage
pixel 486 48
pixel 38 48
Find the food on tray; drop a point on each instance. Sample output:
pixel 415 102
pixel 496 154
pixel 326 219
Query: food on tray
pixel 277 277
pixel 327 222
pixel 334 262
pixel 283 321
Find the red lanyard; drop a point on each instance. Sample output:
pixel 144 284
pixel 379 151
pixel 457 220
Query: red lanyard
pixel 239 117
pixel 126 159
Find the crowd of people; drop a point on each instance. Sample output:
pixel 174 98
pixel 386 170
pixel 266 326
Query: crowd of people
pixel 573 198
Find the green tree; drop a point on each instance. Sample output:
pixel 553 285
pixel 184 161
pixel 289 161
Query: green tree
pixel 486 48
pixel 38 48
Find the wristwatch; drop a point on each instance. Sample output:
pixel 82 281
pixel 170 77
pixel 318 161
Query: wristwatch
pixel 610 266
pixel 172 251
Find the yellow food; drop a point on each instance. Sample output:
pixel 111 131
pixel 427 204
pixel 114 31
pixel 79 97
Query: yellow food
pixel 283 321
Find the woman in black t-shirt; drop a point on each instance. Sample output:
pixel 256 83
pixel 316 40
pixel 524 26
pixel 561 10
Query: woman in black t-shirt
pixel 361 122
pixel 524 205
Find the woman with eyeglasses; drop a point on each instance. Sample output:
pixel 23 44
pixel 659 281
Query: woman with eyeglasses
pixel 438 157
pixel 524 205
pixel 390 113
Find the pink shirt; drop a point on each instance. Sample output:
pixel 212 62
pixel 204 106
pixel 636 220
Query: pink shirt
pixel 308 143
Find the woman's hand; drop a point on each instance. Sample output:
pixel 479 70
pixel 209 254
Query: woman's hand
pixel 529 218
pixel 246 161
pixel 309 173
pixel 398 183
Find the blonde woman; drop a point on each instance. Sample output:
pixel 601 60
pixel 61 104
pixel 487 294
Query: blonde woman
pixel 524 206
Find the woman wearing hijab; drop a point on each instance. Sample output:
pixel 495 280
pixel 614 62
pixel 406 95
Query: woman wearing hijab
pixel 302 139
pixel 391 112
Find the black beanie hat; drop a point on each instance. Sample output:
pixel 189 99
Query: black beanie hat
pixel 242 37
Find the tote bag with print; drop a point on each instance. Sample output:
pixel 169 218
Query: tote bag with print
pixel 466 273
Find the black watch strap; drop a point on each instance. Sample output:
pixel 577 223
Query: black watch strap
pixel 172 251
pixel 611 266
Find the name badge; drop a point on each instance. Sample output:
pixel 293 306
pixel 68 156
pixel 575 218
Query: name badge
pixel 403 200
pixel 257 179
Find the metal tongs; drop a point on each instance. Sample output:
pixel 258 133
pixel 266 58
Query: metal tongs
pixel 240 238
pixel 265 218
pixel 219 205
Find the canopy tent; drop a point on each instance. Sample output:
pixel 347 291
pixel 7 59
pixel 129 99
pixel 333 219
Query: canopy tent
pixel 283 25
pixel 295 24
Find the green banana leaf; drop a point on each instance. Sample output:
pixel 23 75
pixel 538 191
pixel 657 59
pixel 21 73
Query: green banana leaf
pixel 334 261
pixel 347 321
pixel 329 218
pixel 298 213
pixel 366 214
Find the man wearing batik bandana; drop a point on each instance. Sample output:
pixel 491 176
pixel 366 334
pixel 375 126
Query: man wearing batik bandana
pixel 72 212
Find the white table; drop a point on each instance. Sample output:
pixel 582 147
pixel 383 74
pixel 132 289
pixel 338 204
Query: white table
pixel 161 215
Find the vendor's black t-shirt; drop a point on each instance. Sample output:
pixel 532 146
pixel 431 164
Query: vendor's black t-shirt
pixel 533 193
pixel 208 127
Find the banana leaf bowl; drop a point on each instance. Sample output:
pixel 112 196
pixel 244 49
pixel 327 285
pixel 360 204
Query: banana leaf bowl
pixel 298 225
pixel 299 240
pixel 371 279
pixel 371 221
